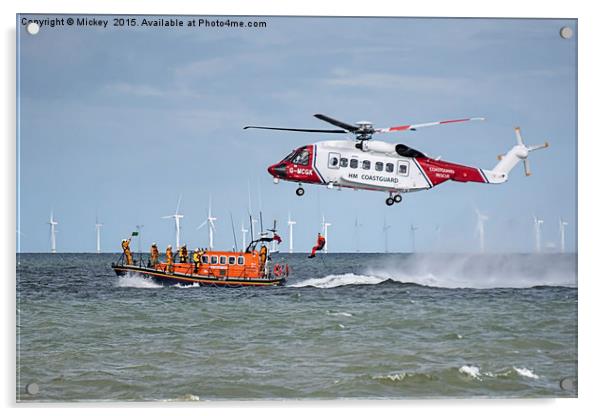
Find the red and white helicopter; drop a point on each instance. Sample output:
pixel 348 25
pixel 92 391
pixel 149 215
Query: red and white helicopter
pixel 380 166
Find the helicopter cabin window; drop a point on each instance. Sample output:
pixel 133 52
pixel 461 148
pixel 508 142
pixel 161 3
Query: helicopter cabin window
pixel 353 163
pixel 302 157
pixel 365 164
pixel 213 259
pixel 333 160
pixel 378 166
pixel 344 162
pixel 241 260
pixel 403 167
pixel 231 260
pixel 205 259
pixel 390 167
pixel 222 259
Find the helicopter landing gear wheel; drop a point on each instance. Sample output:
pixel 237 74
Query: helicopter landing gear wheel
pixel 397 198
pixel 300 191
pixel 389 201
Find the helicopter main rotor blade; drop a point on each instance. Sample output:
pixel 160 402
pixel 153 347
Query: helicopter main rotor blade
pixel 347 127
pixel 289 129
pixel 430 124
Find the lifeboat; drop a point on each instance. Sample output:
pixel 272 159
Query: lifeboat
pixel 217 268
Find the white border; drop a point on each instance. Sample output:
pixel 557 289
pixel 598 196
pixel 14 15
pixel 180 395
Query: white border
pixel 589 206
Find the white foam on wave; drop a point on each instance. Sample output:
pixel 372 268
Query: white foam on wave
pixel 471 370
pixel 137 281
pixel 525 372
pixel 181 286
pixel 392 377
pixel 478 272
pixel 347 314
pixel 336 280
pixel 458 271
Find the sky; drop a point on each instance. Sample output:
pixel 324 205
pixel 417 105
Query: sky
pixel 118 122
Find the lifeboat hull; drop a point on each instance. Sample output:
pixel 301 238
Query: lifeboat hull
pixel 177 277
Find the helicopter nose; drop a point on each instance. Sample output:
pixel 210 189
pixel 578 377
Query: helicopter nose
pixel 278 170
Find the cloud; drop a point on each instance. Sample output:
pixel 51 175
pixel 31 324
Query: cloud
pixel 409 83
pixel 140 90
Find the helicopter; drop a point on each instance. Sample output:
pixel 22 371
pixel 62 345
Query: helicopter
pixel 367 164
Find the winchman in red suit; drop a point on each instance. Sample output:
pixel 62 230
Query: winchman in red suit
pixel 319 246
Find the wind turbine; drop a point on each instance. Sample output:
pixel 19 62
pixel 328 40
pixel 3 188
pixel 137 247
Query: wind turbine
pixel 177 217
pixel 386 233
pixel 244 232
pixel 98 226
pixel 290 233
pixel 537 227
pixel 325 226
pixel 413 229
pixel 563 224
pixel 481 218
pixel 53 225
pixel 210 223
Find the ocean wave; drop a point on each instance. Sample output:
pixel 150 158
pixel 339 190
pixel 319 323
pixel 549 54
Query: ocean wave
pixel 403 376
pixel 471 371
pixel 336 280
pixel 525 372
pixel 346 314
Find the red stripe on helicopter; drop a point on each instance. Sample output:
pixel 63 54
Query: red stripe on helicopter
pixel 439 171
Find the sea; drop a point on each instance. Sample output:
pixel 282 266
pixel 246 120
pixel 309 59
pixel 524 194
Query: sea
pixel 345 326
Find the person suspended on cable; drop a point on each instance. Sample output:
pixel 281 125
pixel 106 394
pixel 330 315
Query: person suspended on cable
pixel 277 238
pixel 319 246
pixel 125 245
pixel 154 255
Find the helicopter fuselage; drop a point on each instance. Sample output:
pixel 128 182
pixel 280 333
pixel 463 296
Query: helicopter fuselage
pixel 373 165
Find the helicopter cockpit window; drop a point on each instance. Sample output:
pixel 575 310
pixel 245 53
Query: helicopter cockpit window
pixel 344 162
pixel 390 168
pixel 353 163
pixel 302 157
pixel 378 166
pixel 290 156
pixel 365 164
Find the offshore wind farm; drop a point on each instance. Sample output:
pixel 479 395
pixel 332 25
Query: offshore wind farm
pixel 556 240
